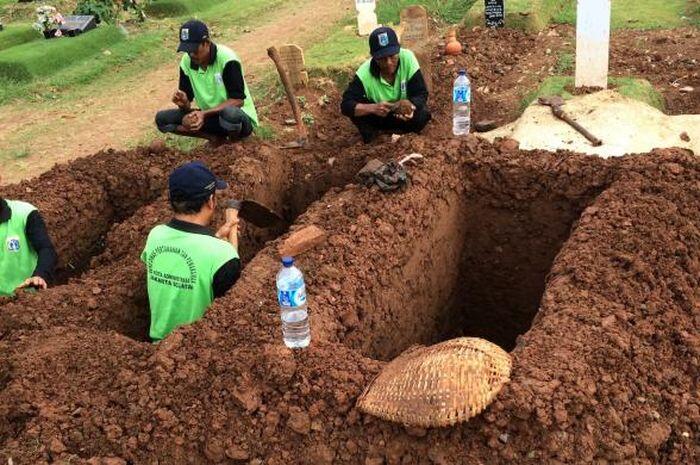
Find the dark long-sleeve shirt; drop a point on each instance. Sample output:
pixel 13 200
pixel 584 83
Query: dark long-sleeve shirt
pixel 226 276
pixel 38 238
pixel 232 77
pixel 416 90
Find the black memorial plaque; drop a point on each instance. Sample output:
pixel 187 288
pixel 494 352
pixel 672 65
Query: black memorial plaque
pixel 495 13
pixel 74 25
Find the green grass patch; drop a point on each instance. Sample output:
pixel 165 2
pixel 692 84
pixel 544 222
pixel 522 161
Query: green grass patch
pixel 639 14
pixel 17 34
pixel 42 58
pixel 342 47
pixel 175 8
pixel 637 89
pixel 449 11
pixel 566 62
pixel 265 132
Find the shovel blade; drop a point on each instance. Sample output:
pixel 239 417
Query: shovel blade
pixel 259 215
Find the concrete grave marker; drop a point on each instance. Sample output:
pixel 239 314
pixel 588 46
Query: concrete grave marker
pixel 74 25
pixel 293 60
pixel 366 17
pixel 494 13
pixel 592 43
pixel 414 26
pixel 415 33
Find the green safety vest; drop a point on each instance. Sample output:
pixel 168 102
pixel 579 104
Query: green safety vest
pixel 18 258
pixel 181 268
pixel 378 90
pixel 208 85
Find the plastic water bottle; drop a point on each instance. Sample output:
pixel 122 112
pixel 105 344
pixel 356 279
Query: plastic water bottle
pixel 461 105
pixel 291 295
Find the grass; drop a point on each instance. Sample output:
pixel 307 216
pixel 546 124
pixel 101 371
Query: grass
pixel 17 34
pixel 637 89
pixel 449 11
pixel 639 14
pixel 172 8
pixel 565 63
pixel 29 61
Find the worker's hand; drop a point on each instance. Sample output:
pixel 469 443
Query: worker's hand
pixel 180 99
pixel 406 116
pixel 382 109
pixel 230 226
pixel 195 120
pixel 36 282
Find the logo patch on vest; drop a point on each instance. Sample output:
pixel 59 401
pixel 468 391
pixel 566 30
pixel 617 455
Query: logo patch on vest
pixel 184 34
pixel 384 39
pixel 403 87
pixel 219 79
pixel 13 244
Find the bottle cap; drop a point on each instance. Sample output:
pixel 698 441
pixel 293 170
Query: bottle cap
pixel 287 261
pixel 462 72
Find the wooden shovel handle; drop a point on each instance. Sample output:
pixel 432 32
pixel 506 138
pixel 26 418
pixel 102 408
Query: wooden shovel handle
pixel 289 90
pixel 559 113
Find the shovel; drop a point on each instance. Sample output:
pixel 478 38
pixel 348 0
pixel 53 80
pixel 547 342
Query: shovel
pixel 256 213
pixel 556 103
pixel 288 88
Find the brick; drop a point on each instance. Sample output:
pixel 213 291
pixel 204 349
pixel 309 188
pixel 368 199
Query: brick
pixel 302 241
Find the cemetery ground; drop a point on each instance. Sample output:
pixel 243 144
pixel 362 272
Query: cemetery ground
pixel 585 269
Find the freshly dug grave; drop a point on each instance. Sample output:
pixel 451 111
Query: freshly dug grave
pixel 607 373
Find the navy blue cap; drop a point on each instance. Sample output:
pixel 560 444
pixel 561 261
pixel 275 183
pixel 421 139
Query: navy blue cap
pixel 192 33
pixel 193 181
pixel 383 42
pixel 287 261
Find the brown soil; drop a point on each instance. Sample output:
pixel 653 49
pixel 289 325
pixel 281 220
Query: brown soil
pixel 585 269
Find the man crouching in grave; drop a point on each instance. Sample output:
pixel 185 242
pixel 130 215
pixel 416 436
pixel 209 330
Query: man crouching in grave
pixel 211 75
pixel 388 93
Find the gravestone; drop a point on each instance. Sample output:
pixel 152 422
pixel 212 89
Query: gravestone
pixel 414 26
pixel 592 43
pixel 366 17
pixel 415 33
pixel 293 60
pixel 494 13
pixel 74 25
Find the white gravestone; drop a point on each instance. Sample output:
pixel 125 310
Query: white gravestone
pixel 592 43
pixel 366 17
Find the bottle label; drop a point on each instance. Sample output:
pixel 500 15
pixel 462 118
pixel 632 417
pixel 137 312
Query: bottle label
pixel 461 95
pixel 294 298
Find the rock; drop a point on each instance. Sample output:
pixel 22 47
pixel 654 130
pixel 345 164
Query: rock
pixel 503 438
pixel 302 241
pixel 299 422
pixel 374 461
pixel 509 145
pixel 686 89
pixel 56 446
pixel 236 453
pixel 654 435
pixel 113 461
pixel 214 451
pixel 484 125
pixel 157 146
pixel 685 137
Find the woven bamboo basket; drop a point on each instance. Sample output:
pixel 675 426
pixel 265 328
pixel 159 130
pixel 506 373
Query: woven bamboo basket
pixel 440 385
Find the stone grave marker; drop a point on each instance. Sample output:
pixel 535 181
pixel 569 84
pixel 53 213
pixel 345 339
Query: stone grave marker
pixel 592 43
pixel 494 13
pixel 414 26
pixel 74 25
pixel 293 60
pixel 366 17
pixel 415 34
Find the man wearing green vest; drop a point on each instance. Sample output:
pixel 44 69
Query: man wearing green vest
pixel 389 91
pixel 211 75
pixel 187 265
pixel 27 257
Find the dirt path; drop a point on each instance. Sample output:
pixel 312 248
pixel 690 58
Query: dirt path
pixel 124 116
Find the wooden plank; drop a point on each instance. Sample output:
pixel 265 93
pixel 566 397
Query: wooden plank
pixel 592 43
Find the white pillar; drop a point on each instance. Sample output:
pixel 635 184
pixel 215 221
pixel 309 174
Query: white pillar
pixel 592 43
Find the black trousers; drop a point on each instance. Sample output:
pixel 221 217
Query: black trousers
pixel 231 122
pixel 371 125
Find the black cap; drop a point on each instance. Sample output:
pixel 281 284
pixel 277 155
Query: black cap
pixel 383 42
pixel 192 33
pixel 193 181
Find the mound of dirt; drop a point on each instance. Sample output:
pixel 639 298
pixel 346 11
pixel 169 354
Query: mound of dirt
pixel 586 268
